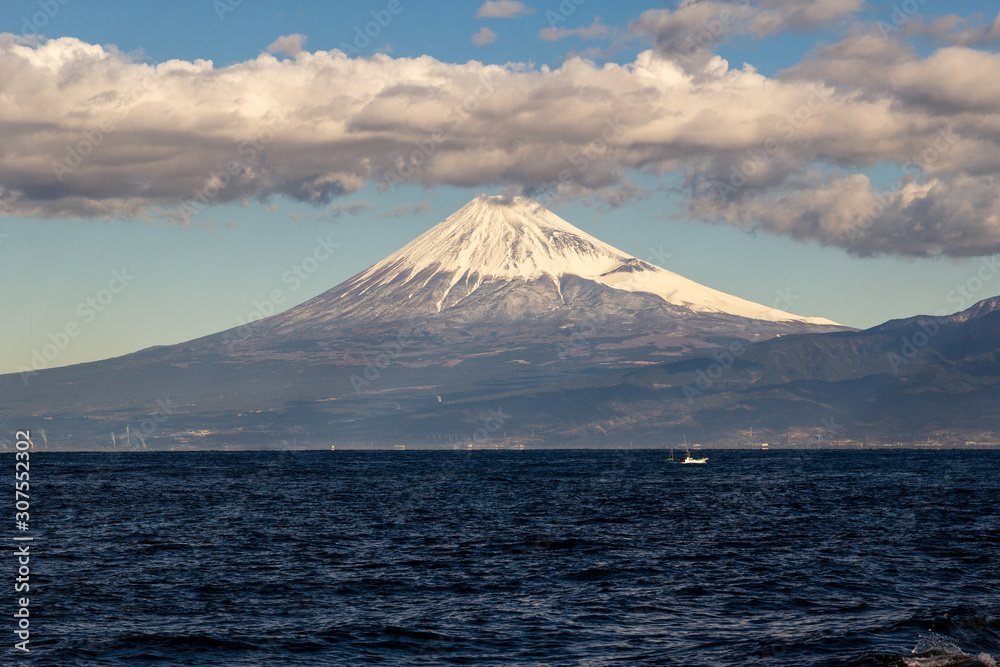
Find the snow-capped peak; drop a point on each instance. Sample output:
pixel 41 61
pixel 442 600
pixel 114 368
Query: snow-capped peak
pixel 498 237
pixel 506 238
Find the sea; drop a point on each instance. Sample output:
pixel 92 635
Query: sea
pixel 549 557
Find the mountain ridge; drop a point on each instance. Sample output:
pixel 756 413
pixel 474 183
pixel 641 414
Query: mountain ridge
pixel 978 309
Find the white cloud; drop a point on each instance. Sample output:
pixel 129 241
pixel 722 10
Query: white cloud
pixel 593 31
pixel 484 36
pixel 503 9
pixel 290 44
pixel 88 132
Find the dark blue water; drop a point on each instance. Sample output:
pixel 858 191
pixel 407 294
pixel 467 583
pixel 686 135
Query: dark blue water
pixel 542 558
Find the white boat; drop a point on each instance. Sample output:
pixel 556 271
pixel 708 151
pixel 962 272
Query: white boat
pixel 687 458
pixel 691 459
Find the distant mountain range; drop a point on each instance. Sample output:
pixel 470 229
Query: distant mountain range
pixel 917 380
pixel 505 324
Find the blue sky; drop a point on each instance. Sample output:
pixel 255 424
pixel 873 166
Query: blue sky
pixel 61 242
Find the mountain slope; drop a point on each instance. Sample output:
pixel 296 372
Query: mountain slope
pixel 503 259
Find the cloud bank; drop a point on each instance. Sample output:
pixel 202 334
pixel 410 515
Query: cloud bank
pixel 88 132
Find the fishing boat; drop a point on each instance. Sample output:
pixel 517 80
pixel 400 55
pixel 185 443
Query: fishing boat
pixel 691 459
pixel 688 459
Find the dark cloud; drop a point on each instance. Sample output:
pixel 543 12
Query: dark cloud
pixel 691 32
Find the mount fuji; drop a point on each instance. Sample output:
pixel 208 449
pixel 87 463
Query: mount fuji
pixel 508 260
pixel 502 296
